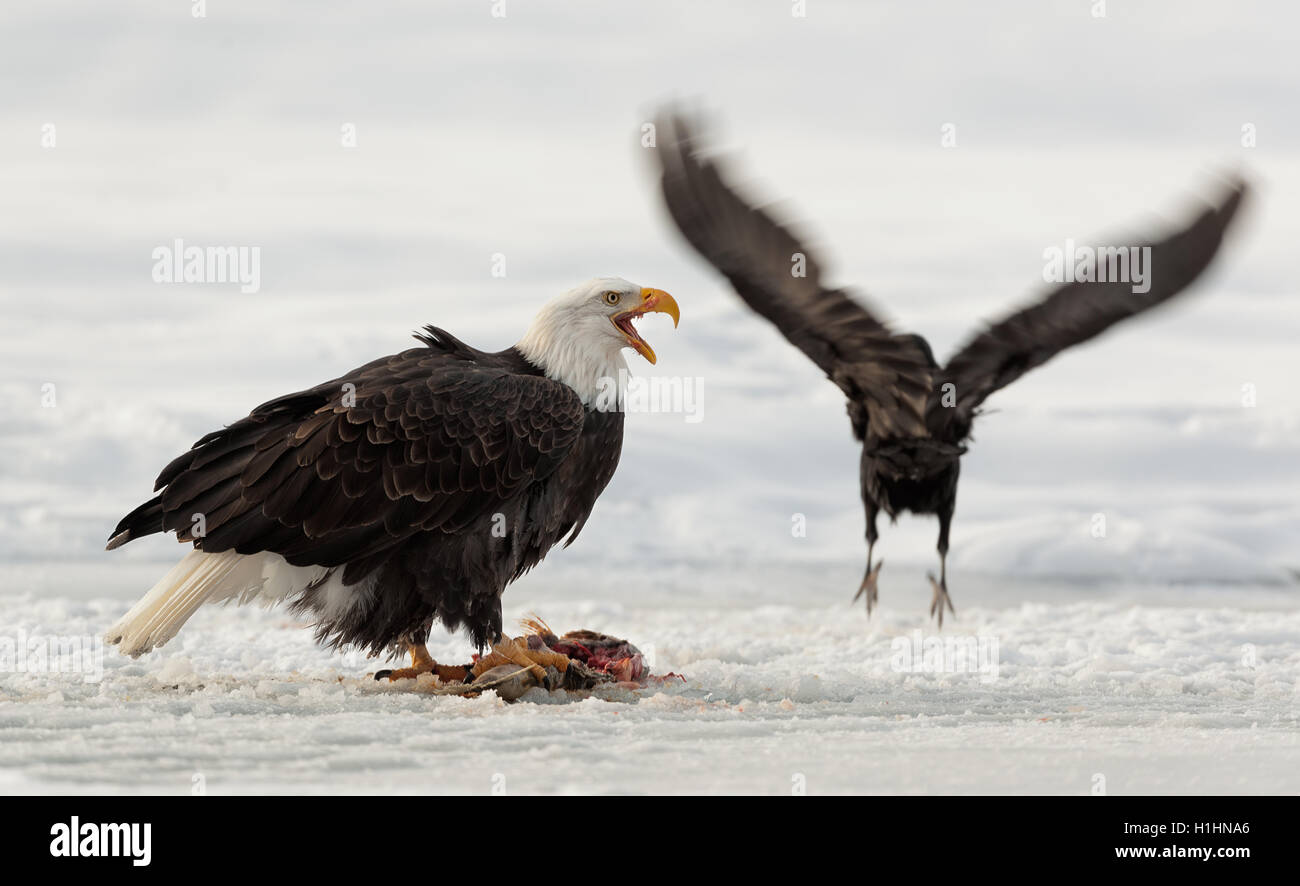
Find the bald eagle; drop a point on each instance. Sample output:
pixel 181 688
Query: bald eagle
pixel 410 490
pixel 913 416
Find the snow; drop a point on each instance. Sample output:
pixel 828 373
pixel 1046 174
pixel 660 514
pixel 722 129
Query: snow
pixel 1160 654
pixel 1196 693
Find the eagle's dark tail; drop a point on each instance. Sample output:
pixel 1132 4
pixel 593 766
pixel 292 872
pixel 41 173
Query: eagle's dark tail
pixel 193 469
pixel 144 520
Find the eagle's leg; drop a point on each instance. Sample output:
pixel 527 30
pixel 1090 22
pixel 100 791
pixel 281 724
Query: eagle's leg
pixel 422 663
pixel 868 586
pixel 940 587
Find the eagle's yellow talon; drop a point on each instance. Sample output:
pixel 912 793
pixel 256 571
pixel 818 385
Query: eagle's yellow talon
pixel 422 663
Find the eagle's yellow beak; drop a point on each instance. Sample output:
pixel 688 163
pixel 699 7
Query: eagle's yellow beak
pixel 653 301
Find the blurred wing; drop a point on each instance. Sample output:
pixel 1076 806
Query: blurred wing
pixel 888 375
pixel 1075 313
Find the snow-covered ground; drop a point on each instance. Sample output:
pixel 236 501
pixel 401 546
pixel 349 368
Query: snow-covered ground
pixel 1162 654
pixel 1047 688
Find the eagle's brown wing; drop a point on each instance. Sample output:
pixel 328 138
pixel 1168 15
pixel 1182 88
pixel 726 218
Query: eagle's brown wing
pixel 343 472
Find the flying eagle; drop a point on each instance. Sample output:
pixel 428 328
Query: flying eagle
pixel 912 415
pixel 410 490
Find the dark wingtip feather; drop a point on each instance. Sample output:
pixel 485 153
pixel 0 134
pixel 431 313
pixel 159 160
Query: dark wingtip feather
pixel 1238 189
pixel 118 540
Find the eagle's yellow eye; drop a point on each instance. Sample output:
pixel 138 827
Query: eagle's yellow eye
pixel 611 298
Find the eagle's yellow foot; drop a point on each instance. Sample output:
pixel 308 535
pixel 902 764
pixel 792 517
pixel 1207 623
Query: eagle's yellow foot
pixel 422 663
pixel 516 652
pixel 940 598
pixel 868 587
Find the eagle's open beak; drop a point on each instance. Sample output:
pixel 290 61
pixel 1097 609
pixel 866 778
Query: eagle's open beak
pixel 653 301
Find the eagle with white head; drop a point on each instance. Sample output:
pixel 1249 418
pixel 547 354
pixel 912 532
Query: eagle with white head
pixel 410 490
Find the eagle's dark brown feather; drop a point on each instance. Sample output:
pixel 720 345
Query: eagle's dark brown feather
pixel 400 465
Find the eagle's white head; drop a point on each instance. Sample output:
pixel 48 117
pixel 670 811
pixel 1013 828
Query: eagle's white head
pixel 578 338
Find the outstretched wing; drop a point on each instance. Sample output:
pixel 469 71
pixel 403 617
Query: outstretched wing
pixel 1072 314
pixel 343 472
pixel 887 375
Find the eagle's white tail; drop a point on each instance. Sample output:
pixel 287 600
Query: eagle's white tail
pixel 201 578
pixel 169 604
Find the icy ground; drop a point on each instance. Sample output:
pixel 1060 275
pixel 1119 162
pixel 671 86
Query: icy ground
pixel 1195 691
